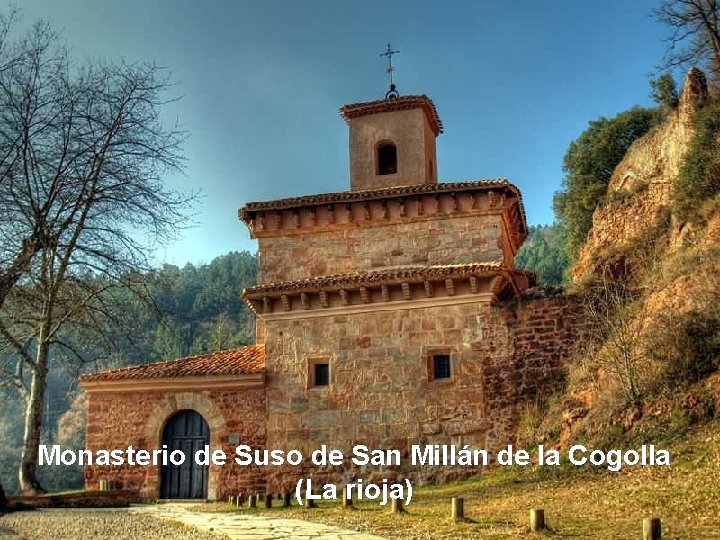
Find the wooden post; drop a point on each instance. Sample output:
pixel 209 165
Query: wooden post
pixel 347 502
pixel 268 500
pixel 231 500
pixel 104 485
pixel 458 508
pixel 396 506
pixel 287 500
pixel 239 499
pixel 652 530
pixel 537 519
pixel 252 501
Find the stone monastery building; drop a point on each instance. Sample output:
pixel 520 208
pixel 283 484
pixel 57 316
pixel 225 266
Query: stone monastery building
pixel 388 315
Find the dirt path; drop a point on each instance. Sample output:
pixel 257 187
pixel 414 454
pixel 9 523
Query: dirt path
pixel 98 524
pixel 162 522
pixel 240 526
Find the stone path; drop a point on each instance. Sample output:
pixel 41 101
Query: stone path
pixel 248 527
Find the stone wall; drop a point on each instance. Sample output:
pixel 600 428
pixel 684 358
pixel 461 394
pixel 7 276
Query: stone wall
pixel 470 238
pixel 381 393
pixel 546 327
pixel 118 419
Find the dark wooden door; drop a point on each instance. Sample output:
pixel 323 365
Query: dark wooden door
pixel 186 431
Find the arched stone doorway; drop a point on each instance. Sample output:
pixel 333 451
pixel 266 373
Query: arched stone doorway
pixel 158 419
pixel 188 432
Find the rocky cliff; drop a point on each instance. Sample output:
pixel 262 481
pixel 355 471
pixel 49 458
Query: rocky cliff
pixel 674 266
pixel 640 192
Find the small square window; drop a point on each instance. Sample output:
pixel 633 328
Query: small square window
pixel 441 367
pixel 321 374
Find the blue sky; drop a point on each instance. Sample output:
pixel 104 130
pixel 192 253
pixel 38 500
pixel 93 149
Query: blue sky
pixel 514 83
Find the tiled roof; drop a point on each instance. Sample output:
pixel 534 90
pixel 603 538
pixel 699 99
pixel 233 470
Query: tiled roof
pixel 404 273
pixel 244 360
pixel 400 103
pixel 372 194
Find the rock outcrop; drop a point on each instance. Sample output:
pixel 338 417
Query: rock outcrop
pixel 676 264
pixel 640 191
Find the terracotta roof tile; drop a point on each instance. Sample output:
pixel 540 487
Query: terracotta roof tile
pixel 400 103
pixel 240 361
pixel 377 277
pixel 372 194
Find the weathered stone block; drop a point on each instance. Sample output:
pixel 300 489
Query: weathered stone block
pixel 318 419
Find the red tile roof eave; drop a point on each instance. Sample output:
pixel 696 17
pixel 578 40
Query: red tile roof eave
pixel 339 281
pixel 177 384
pixel 379 194
pixel 249 360
pixel 510 275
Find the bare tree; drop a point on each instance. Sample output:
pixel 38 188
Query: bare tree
pixel 10 273
pixel 695 38
pixel 82 157
pixel 13 262
pixel 613 310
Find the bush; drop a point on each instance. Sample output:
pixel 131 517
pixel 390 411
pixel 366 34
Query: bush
pixel 700 174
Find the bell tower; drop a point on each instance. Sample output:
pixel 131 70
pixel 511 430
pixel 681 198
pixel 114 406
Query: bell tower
pixel 392 140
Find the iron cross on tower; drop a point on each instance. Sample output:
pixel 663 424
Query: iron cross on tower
pixel 392 93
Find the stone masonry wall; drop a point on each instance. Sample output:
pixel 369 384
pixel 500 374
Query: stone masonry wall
pixel 546 328
pixel 117 420
pixel 435 241
pixel 380 392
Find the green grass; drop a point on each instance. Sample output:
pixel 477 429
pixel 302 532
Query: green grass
pixel 579 502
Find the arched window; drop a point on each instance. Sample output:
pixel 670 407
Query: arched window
pixel 386 158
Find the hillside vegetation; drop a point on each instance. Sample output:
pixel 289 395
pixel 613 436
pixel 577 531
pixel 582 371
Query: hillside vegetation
pixel 544 254
pixel 647 271
pixel 649 276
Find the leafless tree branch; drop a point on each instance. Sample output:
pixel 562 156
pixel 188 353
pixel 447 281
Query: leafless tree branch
pixel 694 34
pixel 83 201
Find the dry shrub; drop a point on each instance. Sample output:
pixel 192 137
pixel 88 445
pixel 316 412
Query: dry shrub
pixel 686 347
pixel 614 307
pixel 699 405
pixel 540 420
pixel 607 411
pixel 654 339
pixel 684 344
